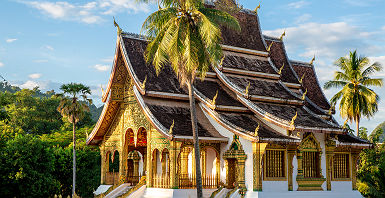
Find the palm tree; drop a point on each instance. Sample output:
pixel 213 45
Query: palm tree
pixel 73 108
pixel 356 99
pixel 187 35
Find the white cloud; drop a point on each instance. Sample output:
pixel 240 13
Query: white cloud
pixel 35 76
pixel 303 18
pixel 329 41
pixel 40 61
pixel 29 85
pixel 11 40
pixel 49 47
pixel 108 59
pixel 90 12
pixel 1 64
pixel 298 4
pixel 101 67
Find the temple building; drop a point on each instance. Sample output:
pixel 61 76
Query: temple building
pixel 265 126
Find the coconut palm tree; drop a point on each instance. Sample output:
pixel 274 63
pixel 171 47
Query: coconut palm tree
pixel 73 105
pixel 356 98
pixel 187 35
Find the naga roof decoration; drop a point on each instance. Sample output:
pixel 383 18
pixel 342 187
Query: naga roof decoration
pixel 253 89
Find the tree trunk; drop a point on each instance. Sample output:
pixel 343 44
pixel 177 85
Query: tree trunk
pixel 74 157
pixel 358 126
pixel 194 124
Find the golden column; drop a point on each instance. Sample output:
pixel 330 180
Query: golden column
pixel 104 165
pixel 330 145
pixel 203 162
pixel 164 163
pixel 258 151
pixel 241 175
pixel 290 155
pixel 174 152
pixel 122 167
pixel 184 161
pixel 149 160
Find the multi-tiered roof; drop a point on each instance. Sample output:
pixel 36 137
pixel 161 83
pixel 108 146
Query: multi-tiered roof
pixel 256 87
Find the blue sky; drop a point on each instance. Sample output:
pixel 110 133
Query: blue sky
pixel 48 43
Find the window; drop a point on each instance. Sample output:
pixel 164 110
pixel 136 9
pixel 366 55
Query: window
pixel 275 166
pixel 310 164
pixel 341 166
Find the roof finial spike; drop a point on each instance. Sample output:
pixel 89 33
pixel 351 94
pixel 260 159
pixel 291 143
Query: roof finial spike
pixel 256 131
pixel 247 90
pixel 171 127
pixel 282 35
pixel 144 83
pixel 301 80
pixel 269 48
pixel 223 58
pixel 312 60
pixel 257 8
pixel 292 126
pixel 304 95
pixel 280 69
pixel 119 30
pixel 214 99
pixel 101 87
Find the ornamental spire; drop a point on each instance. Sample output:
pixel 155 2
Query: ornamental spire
pixel 256 131
pixel 119 30
pixel 214 99
pixel 257 8
pixel 282 35
pixel 312 60
pixel 292 127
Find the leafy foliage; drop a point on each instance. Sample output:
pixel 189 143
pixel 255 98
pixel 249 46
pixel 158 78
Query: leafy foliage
pixel 363 133
pixel 371 174
pixel 378 133
pixel 356 99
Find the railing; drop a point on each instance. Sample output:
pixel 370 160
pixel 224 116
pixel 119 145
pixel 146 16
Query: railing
pixel 112 178
pixel 189 181
pixel 161 181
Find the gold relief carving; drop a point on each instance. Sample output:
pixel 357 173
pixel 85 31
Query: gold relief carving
pixel 236 157
pixel 309 177
pixel 258 151
pixel 117 92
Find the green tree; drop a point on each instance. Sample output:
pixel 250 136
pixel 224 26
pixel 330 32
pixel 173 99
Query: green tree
pixel 26 168
pixel 356 99
pixel 73 105
pixel 371 174
pixel 187 35
pixel 363 133
pixel 377 135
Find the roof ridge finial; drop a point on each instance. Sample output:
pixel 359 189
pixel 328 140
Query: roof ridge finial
pixel 247 90
pixel 304 95
pixel 269 48
pixel 282 35
pixel 312 60
pixel 101 87
pixel 280 69
pixel 171 127
pixel 292 126
pixel 119 30
pixel 301 80
pixel 214 99
pixel 144 83
pixel 257 8
pixel 256 131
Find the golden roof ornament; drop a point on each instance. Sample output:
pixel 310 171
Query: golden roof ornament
pixel 292 127
pixel 144 83
pixel 171 127
pixel 257 8
pixel 119 30
pixel 223 58
pixel 312 60
pixel 301 80
pixel 282 35
pixel 304 95
pixel 256 131
pixel 247 89
pixel 214 99
pixel 101 87
pixel 280 69
pixel 269 48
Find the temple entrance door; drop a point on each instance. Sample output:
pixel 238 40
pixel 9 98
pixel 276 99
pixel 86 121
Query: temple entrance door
pixel 130 170
pixel 231 173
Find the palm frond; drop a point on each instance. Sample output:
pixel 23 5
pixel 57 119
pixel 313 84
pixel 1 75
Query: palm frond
pixel 334 84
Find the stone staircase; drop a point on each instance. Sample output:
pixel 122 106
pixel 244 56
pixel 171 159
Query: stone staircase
pixel 168 193
pixel 120 190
